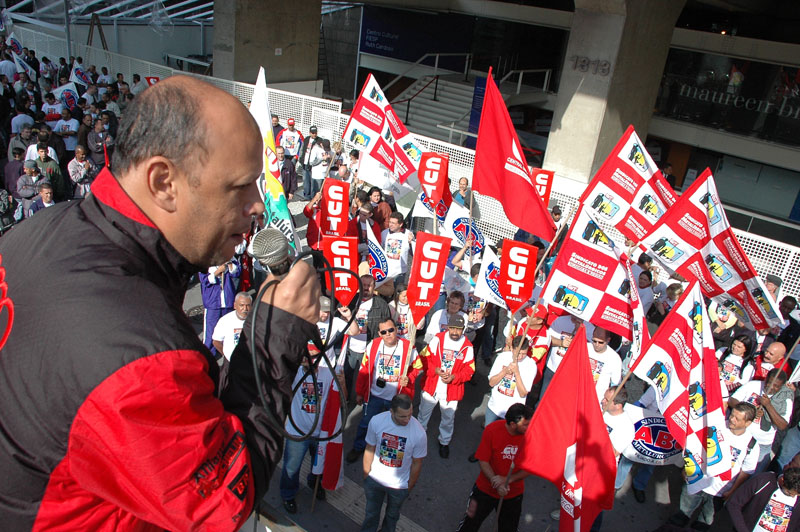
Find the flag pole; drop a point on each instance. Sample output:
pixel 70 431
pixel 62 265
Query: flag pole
pixel 500 502
pixel 788 353
pixel 314 496
pixel 412 333
pixel 469 231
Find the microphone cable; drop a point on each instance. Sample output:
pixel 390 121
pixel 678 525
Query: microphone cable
pixel 328 272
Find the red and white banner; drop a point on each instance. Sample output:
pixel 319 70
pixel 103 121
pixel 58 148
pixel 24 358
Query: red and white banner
pixel 152 80
pixel 335 205
pixel 432 174
pixel 328 461
pixel 629 191
pixel 501 171
pixel 695 239
pixel 591 279
pixel 517 273
pixel 427 272
pixel 567 441
pixel 342 252
pixel 681 365
pixel 543 181
pixel 376 129
pixel 423 208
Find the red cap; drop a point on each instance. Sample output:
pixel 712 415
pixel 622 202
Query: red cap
pixel 541 311
pixel 290 121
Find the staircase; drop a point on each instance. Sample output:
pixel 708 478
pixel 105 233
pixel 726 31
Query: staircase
pixel 454 100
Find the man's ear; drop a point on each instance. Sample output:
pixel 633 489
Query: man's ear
pixel 162 180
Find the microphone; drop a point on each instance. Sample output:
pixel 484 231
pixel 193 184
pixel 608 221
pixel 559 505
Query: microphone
pixel 271 249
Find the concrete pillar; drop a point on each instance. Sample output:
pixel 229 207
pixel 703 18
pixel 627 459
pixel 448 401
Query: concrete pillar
pixel 612 70
pixel 281 36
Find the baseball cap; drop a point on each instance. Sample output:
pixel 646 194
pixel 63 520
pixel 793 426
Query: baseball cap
pixel 30 163
pixel 312 129
pixel 290 121
pixel 456 320
pixel 541 311
pixel 556 209
pixel 774 279
pixel 324 304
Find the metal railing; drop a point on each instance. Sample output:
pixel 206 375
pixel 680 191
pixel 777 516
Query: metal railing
pixel 408 100
pixel 467 62
pixel 548 72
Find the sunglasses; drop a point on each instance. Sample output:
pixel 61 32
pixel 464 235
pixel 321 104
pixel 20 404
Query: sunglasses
pixel 387 331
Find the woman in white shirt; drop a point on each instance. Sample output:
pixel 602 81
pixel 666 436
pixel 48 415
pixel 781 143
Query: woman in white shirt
pixel 733 360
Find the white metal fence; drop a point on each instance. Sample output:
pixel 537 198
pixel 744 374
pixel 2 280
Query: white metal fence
pixel 768 256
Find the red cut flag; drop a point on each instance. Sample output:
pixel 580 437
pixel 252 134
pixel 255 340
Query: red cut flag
pixel 342 252
pixel 334 206
pixel 432 174
pixel 328 461
pixel 502 173
pixel 517 273
pixel 567 442
pixel 427 272
pixel 543 181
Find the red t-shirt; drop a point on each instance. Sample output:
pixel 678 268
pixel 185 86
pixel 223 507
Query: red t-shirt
pixel 499 448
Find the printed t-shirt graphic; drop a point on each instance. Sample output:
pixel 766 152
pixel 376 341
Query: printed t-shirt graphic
pixel 777 513
pixel 392 450
pixel 309 398
pixel 389 366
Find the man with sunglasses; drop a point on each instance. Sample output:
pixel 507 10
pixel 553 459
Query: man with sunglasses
pixel 605 362
pixel 381 377
pixel 448 362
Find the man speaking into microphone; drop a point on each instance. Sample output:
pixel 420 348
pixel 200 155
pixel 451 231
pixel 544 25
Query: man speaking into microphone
pixel 116 420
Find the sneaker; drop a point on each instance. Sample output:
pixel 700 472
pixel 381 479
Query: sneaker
pixel 290 506
pixel 444 451
pixel 555 514
pixel 353 455
pixel 639 495
pixel 472 458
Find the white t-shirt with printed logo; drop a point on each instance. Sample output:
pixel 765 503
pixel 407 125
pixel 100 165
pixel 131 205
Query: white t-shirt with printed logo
pixel 777 513
pixel 729 370
pixel 395 448
pixel 304 402
pixel 742 459
pixel 338 326
pixel 387 367
pixel 505 393
pixel 606 369
pixel 228 330
pixel 562 325
pixel 359 342
pixel 620 431
pixel 751 393
pixel 396 246
pixel 401 314
pixel 474 303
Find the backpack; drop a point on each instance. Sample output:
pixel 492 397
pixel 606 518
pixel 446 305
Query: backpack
pixel 7 211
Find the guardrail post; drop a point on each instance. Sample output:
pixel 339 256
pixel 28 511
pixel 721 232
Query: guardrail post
pixel 519 82
pixel 436 90
pixel 408 108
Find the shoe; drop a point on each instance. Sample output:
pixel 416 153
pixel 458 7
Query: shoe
pixel 353 455
pixel 639 495
pixel 290 506
pixel 555 514
pixel 472 458
pixel 444 451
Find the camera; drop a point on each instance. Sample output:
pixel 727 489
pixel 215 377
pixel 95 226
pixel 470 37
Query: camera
pixel 380 383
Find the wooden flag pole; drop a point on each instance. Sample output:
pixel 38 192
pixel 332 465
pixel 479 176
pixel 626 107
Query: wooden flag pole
pixel 316 489
pixel 412 338
pixel 500 502
pixel 789 352
pixel 469 231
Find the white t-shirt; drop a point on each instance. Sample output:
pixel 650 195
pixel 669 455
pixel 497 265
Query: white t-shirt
pixel 562 325
pixel 396 246
pixel 620 430
pixel 227 331
pixel 103 78
pixel 505 393
pixel 290 140
pixel 52 109
pixel 450 352
pixel 338 326
pixel 729 369
pixel 388 366
pixel 646 297
pixel 606 369
pixel 474 303
pixel 751 393
pixel 32 153
pixel 439 323
pixel 359 342
pixel 70 141
pixel 777 513
pixel 304 402
pixel 402 318
pixel 742 459
pixel 395 448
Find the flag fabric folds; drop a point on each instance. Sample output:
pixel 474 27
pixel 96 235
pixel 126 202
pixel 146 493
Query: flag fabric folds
pixel 22 66
pixel 458 226
pixel 488 284
pixel 629 191
pixel 681 365
pixel 328 461
pixel 79 75
pixel 501 172
pixel 695 239
pixel 270 188
pixel 376 129
pixel 567 442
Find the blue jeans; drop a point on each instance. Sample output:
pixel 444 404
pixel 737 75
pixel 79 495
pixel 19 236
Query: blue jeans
pixel 490 417
pixel 641 478
pixel 374 406
pixel 307 182
pixel 789 447
pixel 374 494
pixel 293 454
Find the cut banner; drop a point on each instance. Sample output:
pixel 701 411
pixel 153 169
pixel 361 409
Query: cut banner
pixel 517 274
pixel 375 128
pixel 328 461
pixel 695 239
pixel 275 204
pixel 567 442
pixel 681 365
pixel 427 272
pixel 591 278
pixel 629 191
pixel 342 252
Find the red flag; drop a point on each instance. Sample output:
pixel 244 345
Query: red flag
pixel 152 80
pixel 328 461
pixel 502 173
pixel 543 181
pixel 517 277
pixel 567 442
pixel 334 206
pixel 432 174
pixel 427 272
pixel 342 252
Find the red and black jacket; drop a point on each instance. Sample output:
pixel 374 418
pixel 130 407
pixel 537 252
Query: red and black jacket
pixel 112 414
